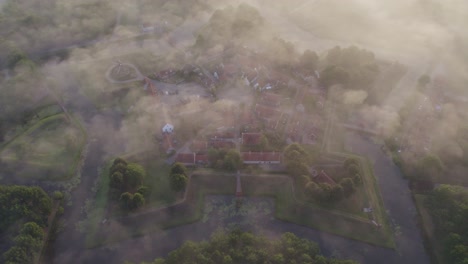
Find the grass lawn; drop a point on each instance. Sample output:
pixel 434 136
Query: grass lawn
pixel 49 150
pixel 432 243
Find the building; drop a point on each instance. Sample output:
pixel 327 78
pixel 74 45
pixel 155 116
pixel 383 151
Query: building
pixel 322 177
pixel 168 128
pixel 187 159
pixel 199 146
pixel 250 139
pixel 261 157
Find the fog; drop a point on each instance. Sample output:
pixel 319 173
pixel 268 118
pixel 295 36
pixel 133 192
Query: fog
pixel 65 48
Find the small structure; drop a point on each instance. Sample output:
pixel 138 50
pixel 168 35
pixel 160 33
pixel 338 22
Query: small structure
pixel 322 177
pixel 168 128
pixel 199 146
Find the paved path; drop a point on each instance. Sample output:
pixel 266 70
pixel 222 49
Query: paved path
pixel 397 199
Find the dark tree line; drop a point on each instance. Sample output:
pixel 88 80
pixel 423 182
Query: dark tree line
pixel 351 67
pixel 23 211
pixel 178 177
pixel 21 203
pixel 246 248
pixel 448 206
pixel 297 165
pixel 126 180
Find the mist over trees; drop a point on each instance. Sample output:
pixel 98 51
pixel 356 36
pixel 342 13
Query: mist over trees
pixel 448 206
pixel 243 247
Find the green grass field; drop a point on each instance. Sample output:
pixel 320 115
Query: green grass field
pixel 50 149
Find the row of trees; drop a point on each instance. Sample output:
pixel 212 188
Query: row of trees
pixel 448 206
pixel 18 205
pixel 297 162
pixel 244 247
pixel 325 193
pixel 225 159
pixel 24 203
pixel 178 177
pixel 126 181
pixel 27 245
pixel 351 67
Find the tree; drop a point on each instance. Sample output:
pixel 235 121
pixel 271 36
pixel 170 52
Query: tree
pixel 178 182
pixel 429 167
pixel 138 200
pixel 232 160
pixel 348 186
pixel 119 167
pixel 336 193
pixel 134 175
pixel 309 60
pixel 144 190
pixel 29 204
pixel 119 161
pixel 424 80
pixel 178 168
pixel 353 169
pixel 350 161
pixel 334 75
pixel 126 200
pixel 17 255
pixel 32 229
pixel 117 180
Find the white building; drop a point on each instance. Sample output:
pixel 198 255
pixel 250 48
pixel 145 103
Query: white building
pixel 168 128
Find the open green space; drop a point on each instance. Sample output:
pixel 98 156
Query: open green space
pixel 50 149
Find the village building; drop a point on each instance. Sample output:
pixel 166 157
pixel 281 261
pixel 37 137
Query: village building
pixel 188 159
pixel 251 139
pixel 199 146
pixel 322 177
pixel 168 128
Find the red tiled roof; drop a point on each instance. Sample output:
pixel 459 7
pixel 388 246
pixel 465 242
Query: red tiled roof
pixel 322 177
pixel 261 156
pixel 201 158
pixel 198 146
pixel 186 158
pixel 251 138
pixel 265 111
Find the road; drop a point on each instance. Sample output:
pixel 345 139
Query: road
pixel 397 199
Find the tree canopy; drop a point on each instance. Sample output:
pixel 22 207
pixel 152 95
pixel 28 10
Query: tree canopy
pixel 448 206
pixel 23 203
pixel 246 248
